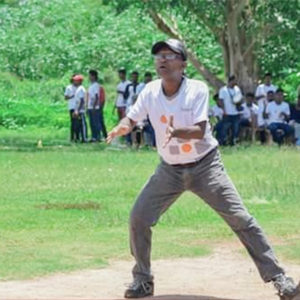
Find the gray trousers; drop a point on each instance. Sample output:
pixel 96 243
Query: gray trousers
pixel 209 181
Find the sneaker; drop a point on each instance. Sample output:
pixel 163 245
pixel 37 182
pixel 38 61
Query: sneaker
pixel 139 289
pixel 285 286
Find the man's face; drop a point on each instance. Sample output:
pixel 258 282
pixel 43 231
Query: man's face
pixel 134 77
pixel 91 78
pixel 148 79
pixel 279 97
pixel 77 82
pixel 169 68
pixel 270 97
pixel 122 76
pixel 268 79
pixel 249 100
pixel 232 82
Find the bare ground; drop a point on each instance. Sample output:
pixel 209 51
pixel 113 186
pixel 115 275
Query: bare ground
pixel 225 275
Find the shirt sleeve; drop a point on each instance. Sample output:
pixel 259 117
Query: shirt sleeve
pixel 201 106
pixel 68 92
pixel 268 108
pixel 138 111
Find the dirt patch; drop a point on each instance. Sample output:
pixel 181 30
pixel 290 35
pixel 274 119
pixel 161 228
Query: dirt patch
pixel 224 275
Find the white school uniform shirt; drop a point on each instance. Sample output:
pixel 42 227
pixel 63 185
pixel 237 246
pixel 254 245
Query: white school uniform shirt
pixel 80 93
pixel 248 111
pixel 274 111
pixel 216 111
pixel 263 89
pixel 227 94
pixel 120 98
pixel 133 93
pixel 94 89
pixel 70 92
pixel 188 107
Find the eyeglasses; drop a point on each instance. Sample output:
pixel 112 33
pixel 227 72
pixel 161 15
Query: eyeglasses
pixel 169 56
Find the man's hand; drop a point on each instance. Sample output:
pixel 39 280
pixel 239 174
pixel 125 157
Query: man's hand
pixel 119 130
pixel 169 132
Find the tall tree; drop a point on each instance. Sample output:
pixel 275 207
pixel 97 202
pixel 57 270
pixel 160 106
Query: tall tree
pixel 245 30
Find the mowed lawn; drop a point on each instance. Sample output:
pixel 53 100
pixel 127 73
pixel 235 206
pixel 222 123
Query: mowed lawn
pixel 66 207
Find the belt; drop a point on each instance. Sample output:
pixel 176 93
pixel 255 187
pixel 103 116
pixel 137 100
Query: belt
pixel 194 163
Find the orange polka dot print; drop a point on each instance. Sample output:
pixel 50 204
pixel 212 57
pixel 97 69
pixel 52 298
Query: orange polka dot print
pixel 164 119
pixel 186 148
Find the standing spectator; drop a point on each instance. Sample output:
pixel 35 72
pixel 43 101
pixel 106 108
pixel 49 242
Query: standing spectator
pixel 94 106
pixel 231 98
pixel 249 112
pixel 120 102
pixel 278 112
pixel 130 96
pixel 217 113
pixel 295 120
pixel 263 89
pixel 70 97
pixel 148 131
pixel 102 103
pixel 79 110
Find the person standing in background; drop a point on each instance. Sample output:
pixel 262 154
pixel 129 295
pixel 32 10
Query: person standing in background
pixel 231 98
pixel 94 106
pixel 102 103
pixel 70 97
pixel 120 102
pixel 79 110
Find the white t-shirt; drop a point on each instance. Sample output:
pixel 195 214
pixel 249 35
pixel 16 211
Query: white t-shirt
pixel 188 107
pixel 275 110
pixel 263 89
pixel 228 94
pixel 79 95
pixel 248 111
pixel 70 92
pixel 133 92
pixel 216 111
pixel 93 90
pixel 120 98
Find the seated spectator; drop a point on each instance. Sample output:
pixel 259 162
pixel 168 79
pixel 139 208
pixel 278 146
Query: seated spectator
pixel 278 113
pixel 295 120
pixel 262 118
pixel 216 113
pixel 249 112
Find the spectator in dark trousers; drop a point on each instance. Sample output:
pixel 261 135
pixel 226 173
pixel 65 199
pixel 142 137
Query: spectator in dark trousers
pixel 216 114
pixel 94 106
pixel 278 113
pixel 130 97
pixel 295 120
pixel 70 97
pixel 120 102
pixel 231 97
pixel 102 103
pixel 79 110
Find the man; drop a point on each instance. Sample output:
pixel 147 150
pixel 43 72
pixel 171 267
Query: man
pixel 178 110
pixel 263 89
pixel 278 113
pixel 231 98
pixel 69 96
pixel 295 120
pixel 79 110
pixel 94 106
pixel 102 104
pixel 216 114
pixel 249 112
pixel 120 102
pixel 130 97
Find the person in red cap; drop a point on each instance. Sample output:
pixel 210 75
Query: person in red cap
pixel 79 109
pixel 190 160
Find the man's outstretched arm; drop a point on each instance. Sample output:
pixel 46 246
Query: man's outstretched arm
pixel 125 126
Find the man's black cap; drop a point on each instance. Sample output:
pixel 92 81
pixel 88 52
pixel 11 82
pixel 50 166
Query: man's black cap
pixel 173 44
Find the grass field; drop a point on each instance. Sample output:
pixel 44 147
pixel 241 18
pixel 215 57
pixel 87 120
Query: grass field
pixel 65 207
